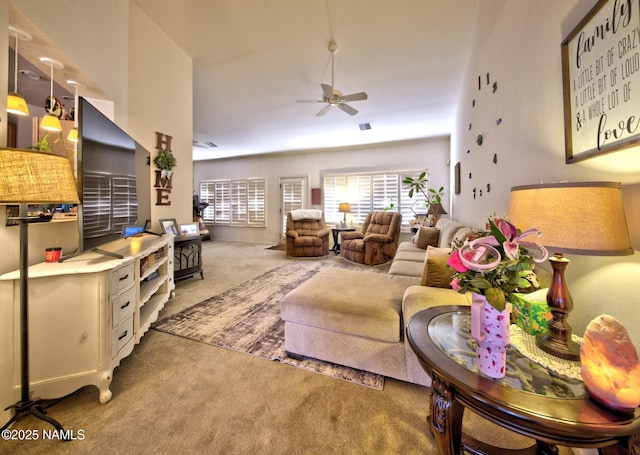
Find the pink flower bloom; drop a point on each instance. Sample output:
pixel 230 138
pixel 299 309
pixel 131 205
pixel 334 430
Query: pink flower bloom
pixel 455 263
pixel 455 284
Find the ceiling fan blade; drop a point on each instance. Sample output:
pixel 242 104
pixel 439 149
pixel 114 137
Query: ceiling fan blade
pixel 310 101
pixel 324 110
pixel 348 109
pixel 360 96
pixel 327 90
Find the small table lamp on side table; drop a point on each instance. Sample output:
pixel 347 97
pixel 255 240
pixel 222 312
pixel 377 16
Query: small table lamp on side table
pixel 577 218
pixel 344 208
pixel 30 177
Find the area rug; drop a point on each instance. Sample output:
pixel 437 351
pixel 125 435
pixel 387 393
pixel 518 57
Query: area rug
pixel 247 319
pixel 279 247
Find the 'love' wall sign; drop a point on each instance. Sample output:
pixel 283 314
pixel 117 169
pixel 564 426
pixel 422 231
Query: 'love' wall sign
pixel 601 81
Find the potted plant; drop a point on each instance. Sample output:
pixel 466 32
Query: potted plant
pixel 165 161
pixel 419 187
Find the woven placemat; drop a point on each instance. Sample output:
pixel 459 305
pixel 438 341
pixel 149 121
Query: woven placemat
pixel 526 345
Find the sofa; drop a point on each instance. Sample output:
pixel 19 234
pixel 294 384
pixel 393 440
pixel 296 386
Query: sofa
pixel 359 318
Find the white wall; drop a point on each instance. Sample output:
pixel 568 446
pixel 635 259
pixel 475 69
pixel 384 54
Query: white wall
pixel 432 154
pixel 518 44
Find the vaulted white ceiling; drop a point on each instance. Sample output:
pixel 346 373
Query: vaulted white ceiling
pixel 254 59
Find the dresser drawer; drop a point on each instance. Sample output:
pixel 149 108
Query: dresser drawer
pixel 123 305
pixel 121 336
pixel 121 278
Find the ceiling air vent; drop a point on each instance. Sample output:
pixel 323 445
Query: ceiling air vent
pixel 204 145
pixel 364 126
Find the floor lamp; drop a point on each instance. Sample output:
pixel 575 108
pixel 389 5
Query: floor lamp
pixel 30 177
pixel 574 218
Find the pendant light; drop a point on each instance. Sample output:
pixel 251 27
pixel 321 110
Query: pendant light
pixel 51 122
pixel 73 133
pixel 16 104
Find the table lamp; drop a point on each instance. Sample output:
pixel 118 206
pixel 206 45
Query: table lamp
pixel 30 177
pixel 576 218
pixel 344 208
pixel 436 210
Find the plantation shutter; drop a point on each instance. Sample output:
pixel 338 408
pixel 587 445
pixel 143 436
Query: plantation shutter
pixel 96 203
pixel 292 199
pixel 256 214
pixel 335 192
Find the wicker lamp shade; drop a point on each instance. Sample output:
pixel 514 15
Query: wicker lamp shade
pixel 30 177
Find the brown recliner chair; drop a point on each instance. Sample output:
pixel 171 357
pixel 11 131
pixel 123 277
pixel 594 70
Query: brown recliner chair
pixel 378 241
pixel 306 234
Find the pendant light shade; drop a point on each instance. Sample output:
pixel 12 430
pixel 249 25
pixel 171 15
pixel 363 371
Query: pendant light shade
pixel 73 133
pixel 16 104
pixel 51 122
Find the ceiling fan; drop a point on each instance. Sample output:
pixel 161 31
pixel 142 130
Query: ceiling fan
pixel 334 97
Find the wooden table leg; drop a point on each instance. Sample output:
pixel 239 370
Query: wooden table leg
pixel 445 419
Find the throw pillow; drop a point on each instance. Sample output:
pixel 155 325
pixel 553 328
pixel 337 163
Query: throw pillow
pixel 427 236
pixel 436 273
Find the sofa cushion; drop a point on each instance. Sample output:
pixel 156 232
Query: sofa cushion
pixel 415 256
pixel 366 304
pixel 460 235
pixel 427 236
pixel 436 273
pixel 448 229
pixel 406 268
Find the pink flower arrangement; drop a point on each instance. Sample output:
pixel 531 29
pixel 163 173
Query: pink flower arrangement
pixel 495 263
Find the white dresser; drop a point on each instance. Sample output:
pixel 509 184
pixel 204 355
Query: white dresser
pixel 85 315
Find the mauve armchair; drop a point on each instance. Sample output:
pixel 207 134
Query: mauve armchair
pixel 377 242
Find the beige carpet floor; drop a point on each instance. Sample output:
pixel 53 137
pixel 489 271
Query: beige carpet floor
pixel 173 395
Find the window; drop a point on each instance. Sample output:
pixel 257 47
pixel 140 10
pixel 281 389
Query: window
pixel 109 203
pixel 367 192
pixel 238 202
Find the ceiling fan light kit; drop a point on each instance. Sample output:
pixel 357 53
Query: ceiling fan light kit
pixel 334 97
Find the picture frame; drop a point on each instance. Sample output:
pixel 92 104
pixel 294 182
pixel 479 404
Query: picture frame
pixel 169 226
pixel 189 229
pixel 600 79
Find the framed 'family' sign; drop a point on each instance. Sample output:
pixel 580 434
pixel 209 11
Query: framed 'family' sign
pixel 601 81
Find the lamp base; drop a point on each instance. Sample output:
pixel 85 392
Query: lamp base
pixel 34 408
pixel 565 349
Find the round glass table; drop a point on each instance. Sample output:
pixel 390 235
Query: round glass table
pixel 530 399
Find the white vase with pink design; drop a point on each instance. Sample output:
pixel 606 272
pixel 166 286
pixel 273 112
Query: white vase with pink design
pixel 490 329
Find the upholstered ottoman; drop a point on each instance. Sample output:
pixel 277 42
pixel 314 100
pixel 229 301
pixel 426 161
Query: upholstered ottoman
pixel 351 318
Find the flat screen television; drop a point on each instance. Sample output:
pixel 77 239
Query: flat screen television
pixel 113 179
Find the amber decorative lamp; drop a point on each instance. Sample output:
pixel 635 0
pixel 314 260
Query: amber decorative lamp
pixel 574 218
pixel 344 208
pixel 30 177
pixel 16 104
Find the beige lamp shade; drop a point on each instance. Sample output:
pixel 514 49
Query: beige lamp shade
pixel 31 177
pixel 575 218
pixel 344 207
pixel 16 104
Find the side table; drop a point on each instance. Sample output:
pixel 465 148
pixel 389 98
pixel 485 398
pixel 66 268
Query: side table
pixel 335 232
pixel 188 257
pixel 530 400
